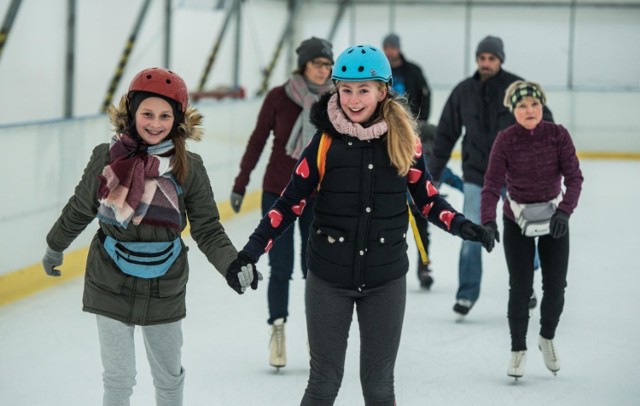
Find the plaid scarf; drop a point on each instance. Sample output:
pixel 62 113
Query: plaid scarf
pixel 137 185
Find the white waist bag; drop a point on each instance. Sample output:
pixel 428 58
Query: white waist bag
pixel 534 218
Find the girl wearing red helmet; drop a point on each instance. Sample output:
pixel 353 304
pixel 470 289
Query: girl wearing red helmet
pixel 143 187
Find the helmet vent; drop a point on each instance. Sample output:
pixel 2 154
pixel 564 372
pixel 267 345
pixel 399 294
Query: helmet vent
pixel 360 68
pixel 168 81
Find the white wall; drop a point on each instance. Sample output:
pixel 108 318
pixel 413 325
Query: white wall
pixel 537 45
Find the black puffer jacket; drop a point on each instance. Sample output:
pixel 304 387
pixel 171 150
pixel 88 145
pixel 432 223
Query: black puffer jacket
pixel 477 107
pixel 358 238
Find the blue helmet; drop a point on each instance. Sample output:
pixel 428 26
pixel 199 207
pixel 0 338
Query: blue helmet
pixel 360 63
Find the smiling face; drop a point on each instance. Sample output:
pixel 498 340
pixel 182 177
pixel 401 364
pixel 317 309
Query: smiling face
pixel 528 112
pixel 359 100
pixel 154 120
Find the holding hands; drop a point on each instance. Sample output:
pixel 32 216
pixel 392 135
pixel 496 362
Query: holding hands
pixel 474 232
pixel 242 273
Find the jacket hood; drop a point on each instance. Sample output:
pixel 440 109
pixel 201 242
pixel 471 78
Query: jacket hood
pixel 189 128
pixel 319 116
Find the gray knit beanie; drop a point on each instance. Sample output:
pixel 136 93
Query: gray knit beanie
pixel 391 40
pixel 313 48
pixel 492 45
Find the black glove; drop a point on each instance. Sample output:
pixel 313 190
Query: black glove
pixel 559 226
pixel 242 273
pixel 474 232
pixel 492 229
pixel 50 261
pixel 236 201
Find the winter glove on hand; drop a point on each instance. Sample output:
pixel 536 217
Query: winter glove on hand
pixel 242 273
pixel 50 261
pixel 492 230
pixel 474 232
pixel 236 201
pixel 559 226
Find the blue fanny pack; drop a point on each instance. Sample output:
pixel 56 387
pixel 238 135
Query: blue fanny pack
pixel 142 259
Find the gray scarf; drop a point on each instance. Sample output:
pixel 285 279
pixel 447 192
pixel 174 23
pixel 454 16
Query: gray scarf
pixel 304 94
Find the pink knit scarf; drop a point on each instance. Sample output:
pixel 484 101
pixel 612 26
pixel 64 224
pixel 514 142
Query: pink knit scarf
pixel 344 126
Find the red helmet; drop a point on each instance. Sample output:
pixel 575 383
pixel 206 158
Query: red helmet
pixel 163 82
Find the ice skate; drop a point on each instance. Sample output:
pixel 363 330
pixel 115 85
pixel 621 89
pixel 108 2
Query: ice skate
pixel 277 350
pixel 533 300
pixel 550 354
pixel 424 276
pixel 461 308
pixel 517 363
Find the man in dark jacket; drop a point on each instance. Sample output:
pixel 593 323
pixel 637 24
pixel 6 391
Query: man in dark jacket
pixel 474 108
pixel 410 82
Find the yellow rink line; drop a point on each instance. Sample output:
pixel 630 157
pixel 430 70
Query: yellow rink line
pixel 19 284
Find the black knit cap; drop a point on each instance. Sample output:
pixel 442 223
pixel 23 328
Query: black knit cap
pixel 492 45
pixel 313 48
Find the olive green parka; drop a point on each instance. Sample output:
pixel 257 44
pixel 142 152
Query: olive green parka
pixel 107 290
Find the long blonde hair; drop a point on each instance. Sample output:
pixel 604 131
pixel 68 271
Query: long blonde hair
pixel 402 133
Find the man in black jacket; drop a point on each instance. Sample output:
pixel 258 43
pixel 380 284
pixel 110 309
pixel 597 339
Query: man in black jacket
pixel 474 108
pixel 410 82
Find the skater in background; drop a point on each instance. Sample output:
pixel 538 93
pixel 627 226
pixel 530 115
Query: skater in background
pixel 532 158
pixel 474 108
pixel 410 83
pixel 143 187
pixel 285 114
pixel 363 159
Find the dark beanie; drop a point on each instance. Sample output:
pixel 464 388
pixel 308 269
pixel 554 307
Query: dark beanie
pixel 391 40
pixel 492 45
pixel 313 48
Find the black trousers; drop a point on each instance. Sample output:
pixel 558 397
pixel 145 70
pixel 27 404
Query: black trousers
pixel 519 251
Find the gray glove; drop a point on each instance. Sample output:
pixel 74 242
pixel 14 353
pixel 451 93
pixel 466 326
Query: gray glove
pixel 236 201
pixel 50 261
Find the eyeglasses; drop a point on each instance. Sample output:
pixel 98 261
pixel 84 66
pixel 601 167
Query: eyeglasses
pixel 320 64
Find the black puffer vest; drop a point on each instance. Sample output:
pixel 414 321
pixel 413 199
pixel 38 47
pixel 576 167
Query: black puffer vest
pixel 358 238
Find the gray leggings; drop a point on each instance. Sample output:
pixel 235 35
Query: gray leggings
pixel 163 343
pixel 329 314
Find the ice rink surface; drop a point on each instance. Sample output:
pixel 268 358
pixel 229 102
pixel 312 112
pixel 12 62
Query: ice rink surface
pixel 49 352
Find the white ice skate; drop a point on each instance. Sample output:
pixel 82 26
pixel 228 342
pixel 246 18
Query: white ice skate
pixel 550 354
pixel 517 363
pixel 277 350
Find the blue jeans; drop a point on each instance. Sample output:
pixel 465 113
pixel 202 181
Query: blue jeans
pixel 470 265
pixel 281 258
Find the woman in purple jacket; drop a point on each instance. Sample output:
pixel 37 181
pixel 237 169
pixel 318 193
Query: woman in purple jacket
pixel 532 157
pixel 285 114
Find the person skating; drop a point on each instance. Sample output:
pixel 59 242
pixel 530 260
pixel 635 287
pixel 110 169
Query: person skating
pixel 363 159
pixel 533 158
pixel 474 109
pixel 285 114
pixel 143 187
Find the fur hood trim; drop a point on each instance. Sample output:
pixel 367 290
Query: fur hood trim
pixel 190 127
pixel 319 115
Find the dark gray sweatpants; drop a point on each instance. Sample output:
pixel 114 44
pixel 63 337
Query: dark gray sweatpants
pixel 329 313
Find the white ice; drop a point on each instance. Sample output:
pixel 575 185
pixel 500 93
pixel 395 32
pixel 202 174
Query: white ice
pixel 49 352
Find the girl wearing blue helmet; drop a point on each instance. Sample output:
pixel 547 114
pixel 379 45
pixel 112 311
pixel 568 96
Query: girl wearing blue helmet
pixel 361 162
